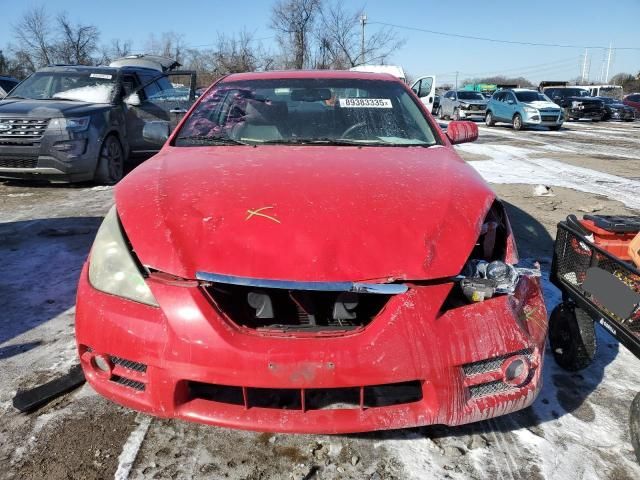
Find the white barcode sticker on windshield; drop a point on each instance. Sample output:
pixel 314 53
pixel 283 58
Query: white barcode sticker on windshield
pixel 104 76
pixel 365 103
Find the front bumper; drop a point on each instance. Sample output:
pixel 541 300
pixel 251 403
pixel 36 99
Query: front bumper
pixel 467 113
pixel 543 119
pixel 580 114
pixel 457 358
pixel 56 156
pixel 621 115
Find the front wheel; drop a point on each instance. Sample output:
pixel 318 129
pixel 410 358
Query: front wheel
pixel 110 169
pixel 572 337
pixel 634 425
pixel 517 122
pixel 489 120
pixel 555 128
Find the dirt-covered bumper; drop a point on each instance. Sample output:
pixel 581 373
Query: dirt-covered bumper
pixel 414 364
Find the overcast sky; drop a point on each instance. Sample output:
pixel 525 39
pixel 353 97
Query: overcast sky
pixel 585 22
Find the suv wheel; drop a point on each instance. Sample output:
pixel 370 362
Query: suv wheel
pixel 110 167
pixel 489 120
pixel 517 122
pixel 572 337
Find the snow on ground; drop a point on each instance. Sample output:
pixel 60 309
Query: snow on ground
pixel 511 164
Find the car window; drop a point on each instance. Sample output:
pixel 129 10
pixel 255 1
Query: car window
pixel 93 86
pixel 425 87
pixel 7 85
pixel 308 111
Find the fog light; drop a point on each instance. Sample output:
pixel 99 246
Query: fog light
pixel 515 370
pixel 102 365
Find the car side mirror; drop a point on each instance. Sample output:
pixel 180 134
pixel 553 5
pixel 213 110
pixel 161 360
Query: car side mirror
pixel 510 102
pixel 156 132
pixel 133 100
pixel 462 132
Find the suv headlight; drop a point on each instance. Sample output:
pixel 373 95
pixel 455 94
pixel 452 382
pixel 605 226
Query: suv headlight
pixel 531 110
pixel 112 268
pixel 73 124
pixel 576 104
pixel 464 105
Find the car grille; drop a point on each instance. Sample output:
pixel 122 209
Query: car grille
pixel 549 118
pixel 27 128
pixel 306 399
pixel 18 162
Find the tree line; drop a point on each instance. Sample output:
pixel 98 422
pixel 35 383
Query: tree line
pixel 320 34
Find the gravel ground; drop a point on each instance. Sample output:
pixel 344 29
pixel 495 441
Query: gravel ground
pixel 576 429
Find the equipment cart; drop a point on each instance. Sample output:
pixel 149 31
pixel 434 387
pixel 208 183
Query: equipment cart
pixel 593 266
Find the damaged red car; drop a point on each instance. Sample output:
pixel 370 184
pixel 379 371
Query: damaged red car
pixel 308 253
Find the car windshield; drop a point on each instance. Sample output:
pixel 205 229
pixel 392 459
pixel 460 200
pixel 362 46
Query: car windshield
pixel 609 100
pixel 531 96
pixel 88 86
pixel 611 92
pixel 307 112
pixel 575 92
pixel 464 95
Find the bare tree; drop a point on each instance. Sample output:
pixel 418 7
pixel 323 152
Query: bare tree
pixel 170 44
pixel 33 33
pixel 116 49
pixel 77 43
pixel 293 20
pixel 340 35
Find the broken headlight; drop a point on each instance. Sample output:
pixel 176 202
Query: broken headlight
pixel 112 267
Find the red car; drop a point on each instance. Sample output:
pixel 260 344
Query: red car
pixel 633 100
pixel 308 253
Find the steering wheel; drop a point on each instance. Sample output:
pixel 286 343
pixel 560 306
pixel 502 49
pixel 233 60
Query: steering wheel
pixel 353 128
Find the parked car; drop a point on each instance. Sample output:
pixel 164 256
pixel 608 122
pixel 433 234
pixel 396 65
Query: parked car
pixel 308 253
pixel 6 85
pixel 462 104
pixel 616 110
pixel 76 123
pixel 633 100
pixel 577 103
pixel 523 108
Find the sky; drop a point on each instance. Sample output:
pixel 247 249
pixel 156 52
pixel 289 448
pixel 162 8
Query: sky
pixel 581 23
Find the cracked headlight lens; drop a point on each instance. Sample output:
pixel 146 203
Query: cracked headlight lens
pixel 112 267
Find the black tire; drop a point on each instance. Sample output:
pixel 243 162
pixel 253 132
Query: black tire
pixel 456 115
pixel 555 128
pixel 634 425
pixel 572 337
pixel 596 119
pixel 489 120
pixel 110 169
pixel 517 122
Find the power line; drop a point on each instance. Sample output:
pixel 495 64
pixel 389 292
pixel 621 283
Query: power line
pixel 495 40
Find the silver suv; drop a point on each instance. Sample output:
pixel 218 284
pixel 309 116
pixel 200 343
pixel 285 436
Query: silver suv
pixel 462 104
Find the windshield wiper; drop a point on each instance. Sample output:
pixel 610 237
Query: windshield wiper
pixel 206 140
pixel 340 142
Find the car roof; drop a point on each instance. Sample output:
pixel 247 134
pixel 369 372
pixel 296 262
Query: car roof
pixel 86 68
pixel 312 74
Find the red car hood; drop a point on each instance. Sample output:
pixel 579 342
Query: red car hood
pixel 319 213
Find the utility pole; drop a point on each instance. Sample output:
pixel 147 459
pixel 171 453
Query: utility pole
pixel 456 81
pixel 363 22
pixel 584 66
pixel 606 78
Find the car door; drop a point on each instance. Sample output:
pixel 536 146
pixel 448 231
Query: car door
pixel 510 105
pixel 495 103
pixel 425 89
pixel 166 97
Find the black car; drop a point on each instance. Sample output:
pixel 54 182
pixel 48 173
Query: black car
pixel 577 103
pixel 76 123
pixel 7 84
pixel 616 110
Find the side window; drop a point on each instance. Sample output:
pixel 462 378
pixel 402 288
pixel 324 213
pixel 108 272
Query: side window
pixel 129 84
pixel 416 87
pixel 425 87
pixel 499 97
pixel 510 98
pixel 151 90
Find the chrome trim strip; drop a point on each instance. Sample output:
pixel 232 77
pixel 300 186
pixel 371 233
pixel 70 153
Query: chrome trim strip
pixel 378 288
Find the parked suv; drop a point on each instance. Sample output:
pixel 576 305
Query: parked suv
pixel 76 123
pixel 6 85
pixel 577 103
pixel 522 108
pixel 462 104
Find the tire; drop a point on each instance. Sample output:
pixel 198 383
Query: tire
pixel 489 120
pixel 634 425
pixel 110 169
pixel 517 122
pixel 439 113
pixel 456 115
pixel 555 128
pixel 572 337
pixel 596 119
pixel 566 115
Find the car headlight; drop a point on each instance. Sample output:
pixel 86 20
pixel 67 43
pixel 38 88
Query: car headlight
pixel 575 104
pixel 531 110
pixel 73 124
pixel 464 106
pixel 112 268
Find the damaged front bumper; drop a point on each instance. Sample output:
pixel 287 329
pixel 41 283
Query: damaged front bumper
pixel 420 361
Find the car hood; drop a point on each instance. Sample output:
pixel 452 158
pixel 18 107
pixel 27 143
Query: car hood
pixel 304 213
pixel 48 108
pixel 474 102
pixel 542 104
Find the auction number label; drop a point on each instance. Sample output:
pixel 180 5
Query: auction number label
pixel 365 103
